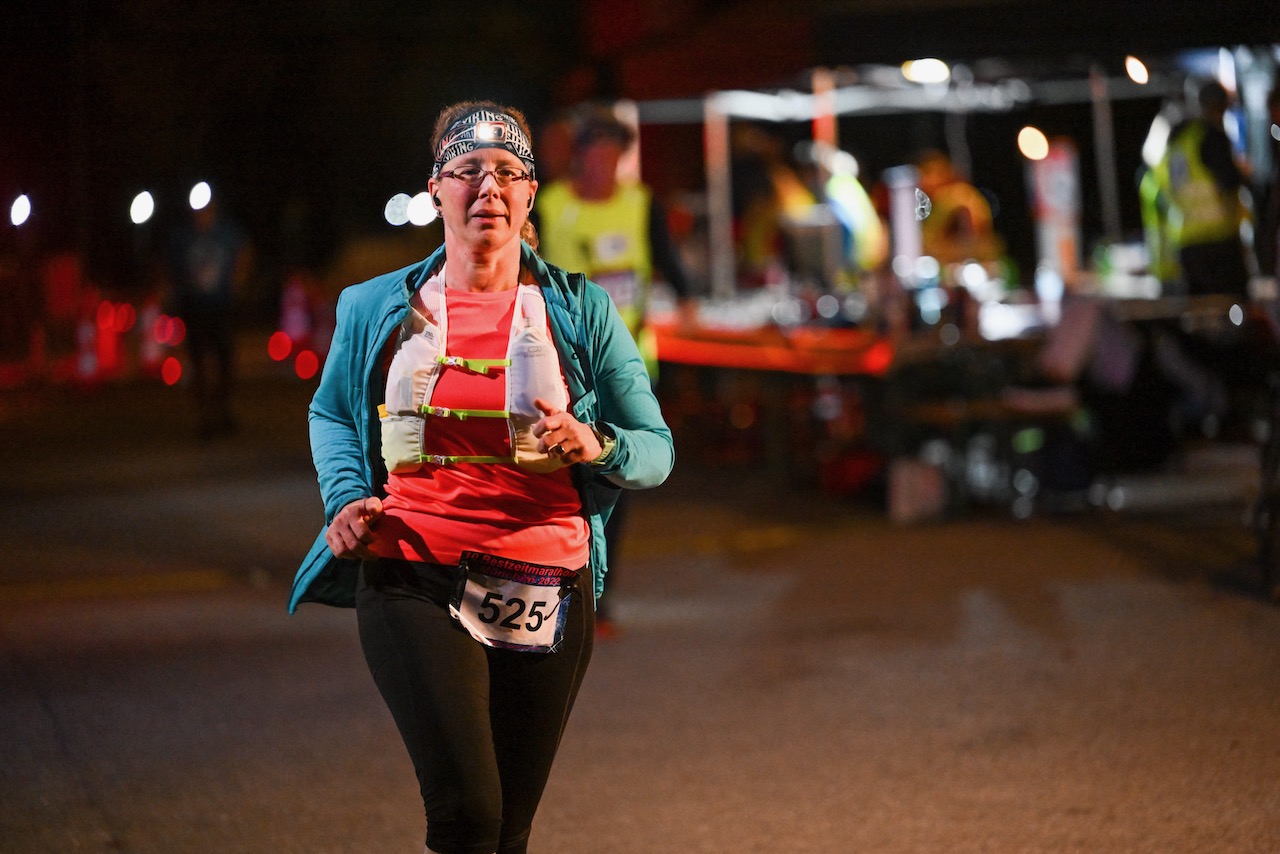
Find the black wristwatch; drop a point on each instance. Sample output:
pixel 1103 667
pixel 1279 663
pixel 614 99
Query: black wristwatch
pixel 607 444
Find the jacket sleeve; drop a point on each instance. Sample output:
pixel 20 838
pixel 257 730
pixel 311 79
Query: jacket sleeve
pixel 644 454
pixel 335 425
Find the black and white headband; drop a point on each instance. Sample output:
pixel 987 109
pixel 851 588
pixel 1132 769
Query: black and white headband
pixel 483 129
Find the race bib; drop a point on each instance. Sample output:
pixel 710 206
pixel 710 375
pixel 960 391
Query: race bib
pixel 510 604
pixel 623 287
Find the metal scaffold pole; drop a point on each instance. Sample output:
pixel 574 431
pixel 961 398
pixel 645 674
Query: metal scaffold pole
pixel 719 199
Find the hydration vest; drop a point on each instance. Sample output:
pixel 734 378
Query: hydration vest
pixel 532 371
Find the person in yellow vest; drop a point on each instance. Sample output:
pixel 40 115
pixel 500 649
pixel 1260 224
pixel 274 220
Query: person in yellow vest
pixel 866 239
pixel 1200 182
pixel 616 233
pixel 960 226
pixel 1157 236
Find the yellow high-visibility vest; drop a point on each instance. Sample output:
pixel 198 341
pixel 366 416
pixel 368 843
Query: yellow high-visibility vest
pixel 606 240
pixel 1199 211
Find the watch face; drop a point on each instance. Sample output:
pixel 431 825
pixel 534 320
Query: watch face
pixel 606 445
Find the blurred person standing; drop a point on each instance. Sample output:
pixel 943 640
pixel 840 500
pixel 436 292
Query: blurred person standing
pixel 1162 251
pixel 1200 183
pixel 767 192
pixel 478 415
pixel 1268 240
pixel 866 240
pixel 616 233
pixel 209 262
pixel 960 226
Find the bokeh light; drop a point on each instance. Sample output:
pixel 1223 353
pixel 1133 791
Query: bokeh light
pixel 306 364
pixel 1136 70
pixel 420 210
pixel 200 196
pixel 1033 144
pixel 20 210
pixel 115 317
pixel 142 208
pixel 879 357
pixel 169 330
pixel 279 346
pixel 397 209
pixel 171 371
pixel 742 416
pixel 124 317
pixel 161 329
pixel 926 71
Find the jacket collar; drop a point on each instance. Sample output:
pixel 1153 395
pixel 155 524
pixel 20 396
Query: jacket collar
pixel 417 274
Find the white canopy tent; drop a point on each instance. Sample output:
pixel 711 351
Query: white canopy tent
pixel 883 90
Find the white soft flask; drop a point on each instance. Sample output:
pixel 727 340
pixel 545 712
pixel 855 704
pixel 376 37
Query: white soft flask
pixel 410 381
pixel 534 374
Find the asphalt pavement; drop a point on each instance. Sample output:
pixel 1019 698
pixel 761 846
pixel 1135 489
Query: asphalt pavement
pixel 793 673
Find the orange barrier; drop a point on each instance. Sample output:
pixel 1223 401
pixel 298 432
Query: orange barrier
pixel 804 350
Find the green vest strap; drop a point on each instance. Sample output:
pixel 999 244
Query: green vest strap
pixel 479 366
pixel 463 414
pixel 451 459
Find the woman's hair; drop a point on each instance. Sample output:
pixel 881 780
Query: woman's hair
pixel 453 112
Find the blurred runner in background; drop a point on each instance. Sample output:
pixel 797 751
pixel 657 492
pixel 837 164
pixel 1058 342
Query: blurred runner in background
pixel 209 262
pixel 616 233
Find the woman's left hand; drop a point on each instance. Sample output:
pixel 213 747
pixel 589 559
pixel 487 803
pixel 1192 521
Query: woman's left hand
pixel 561 435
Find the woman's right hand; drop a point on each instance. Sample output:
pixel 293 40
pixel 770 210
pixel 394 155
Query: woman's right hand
pixel 351 531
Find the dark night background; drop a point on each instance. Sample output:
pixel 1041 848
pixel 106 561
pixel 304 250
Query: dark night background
pixel 306 115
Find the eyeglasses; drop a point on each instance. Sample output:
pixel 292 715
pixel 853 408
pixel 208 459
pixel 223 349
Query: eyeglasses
pixel 473 176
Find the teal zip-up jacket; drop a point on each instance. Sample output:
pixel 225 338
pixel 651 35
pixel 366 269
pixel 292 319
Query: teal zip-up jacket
pixel 607 380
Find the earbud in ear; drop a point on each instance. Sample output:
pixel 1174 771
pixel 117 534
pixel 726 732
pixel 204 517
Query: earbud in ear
pixel 436 199
pixel 531 203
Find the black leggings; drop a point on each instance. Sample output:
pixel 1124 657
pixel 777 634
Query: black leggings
pixel 482 725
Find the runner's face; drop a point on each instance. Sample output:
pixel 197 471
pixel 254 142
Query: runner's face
pixel 487 216
pixel 598 165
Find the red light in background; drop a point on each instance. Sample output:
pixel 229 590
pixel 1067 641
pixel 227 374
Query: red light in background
pixel 742 416
pixel 878 357
pixel 169 330
pixel 106 315
pixel 306 364
pixel 171 371
pixel 279 346
pixel 124 317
